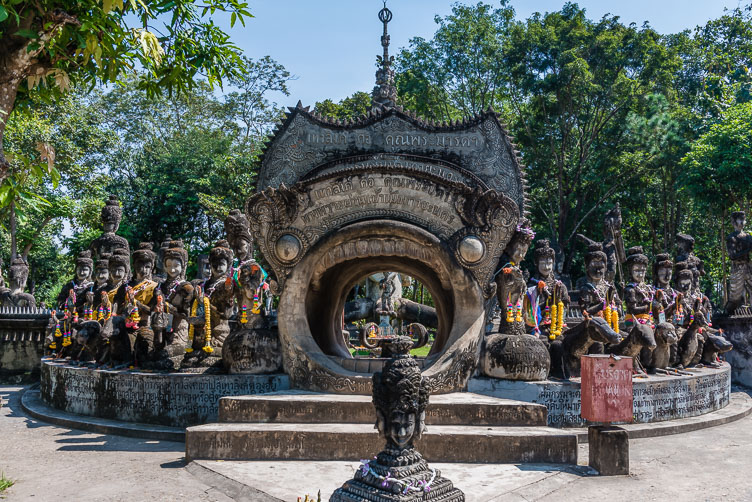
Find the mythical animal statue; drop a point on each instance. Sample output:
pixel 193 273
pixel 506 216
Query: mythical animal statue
pixel 639 339
pixel 575 342
pixel 659 358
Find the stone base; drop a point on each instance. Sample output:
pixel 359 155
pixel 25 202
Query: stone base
pixel 739 332
pixel 171 399
pixel 608 450
pixel 656 398
pixel 19 359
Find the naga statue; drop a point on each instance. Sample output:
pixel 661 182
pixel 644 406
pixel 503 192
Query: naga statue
pixel 399 472
pixel 739 246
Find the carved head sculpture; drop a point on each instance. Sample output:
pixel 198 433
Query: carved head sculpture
pixel 595 262
pixel 84 266
pixel 400 396
pixel 220 258
pixel 684 277
pixel 251 276
pixel 174 260
pixel 520 242
pixel 738 220
pixel 111 214
pixel 544 258
pixel 143 261
pixel 637 264
pixel 612 221
pixel 238 235
pixel 663 269
pixel 118 265
pixel 665 333
pixel 685 244
pixel 102 270
pixel 159 266
pixel 18 274
pixel 203 266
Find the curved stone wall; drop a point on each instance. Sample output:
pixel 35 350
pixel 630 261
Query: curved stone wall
pixel 656 398
pixel 171 399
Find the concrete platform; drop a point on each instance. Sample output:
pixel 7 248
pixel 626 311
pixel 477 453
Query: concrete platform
pixel 459 408
pixel 441 443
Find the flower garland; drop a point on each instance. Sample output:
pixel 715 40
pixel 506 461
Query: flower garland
pixel 192 328
pixel 420 486
pixel 207 326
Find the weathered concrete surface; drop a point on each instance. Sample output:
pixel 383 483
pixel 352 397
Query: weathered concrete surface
pixel 739 333
pixel 172 399
pixel 441 443
pixel 20 359
pixel 656 398
pixel 459 408
pixel 609 450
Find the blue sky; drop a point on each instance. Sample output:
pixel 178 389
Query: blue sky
pixel 330 45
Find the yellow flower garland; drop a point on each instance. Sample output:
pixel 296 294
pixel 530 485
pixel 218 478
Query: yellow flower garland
pixel 207 326
pixel 194 307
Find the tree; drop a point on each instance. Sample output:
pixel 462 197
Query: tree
pixel 46 43
pixel 348 108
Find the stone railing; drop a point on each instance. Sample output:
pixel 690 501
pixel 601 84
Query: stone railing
pixel 23 323
pixel 22 333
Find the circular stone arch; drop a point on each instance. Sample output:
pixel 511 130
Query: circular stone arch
pixel 311 304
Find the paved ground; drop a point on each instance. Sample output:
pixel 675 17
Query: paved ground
pixel 56 463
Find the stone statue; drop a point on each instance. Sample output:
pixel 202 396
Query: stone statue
pixel 510 280
pixel 546 299
pixel 106 243
pixel 613 245
pixel 685 301
pixel 80 284
pixel 598 297
pixel 101 282
pixel 399 472
pixel 639 339
pixel 203 267
pixel 685 245
pixel 219 293
pixel 663 269
pixel 576 341
pixel 14 296
pixel 159 272
pixel 638 294
pixel 239 237
pixel 119 267
pixel 739 246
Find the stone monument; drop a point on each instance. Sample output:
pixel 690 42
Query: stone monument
pixel 739 246
pixel 106 243
pixel 14 296
pixel 399 472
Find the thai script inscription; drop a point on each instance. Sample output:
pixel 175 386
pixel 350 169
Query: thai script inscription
pixel 401 140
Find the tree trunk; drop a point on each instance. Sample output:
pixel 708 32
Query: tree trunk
pixel 8 90
pixel 13 232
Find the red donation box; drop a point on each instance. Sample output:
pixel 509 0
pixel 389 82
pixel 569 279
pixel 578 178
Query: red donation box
pixel 606 390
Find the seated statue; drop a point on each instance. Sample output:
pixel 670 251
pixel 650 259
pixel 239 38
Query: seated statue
pixel 638 294
pixel 546 299
pixel 106 243
pixel 80 284
pixel 14 296
pixel 663 269
pixel 510 281
pixel 598 297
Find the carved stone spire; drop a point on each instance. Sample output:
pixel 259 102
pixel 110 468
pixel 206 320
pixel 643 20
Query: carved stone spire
pixel 385 93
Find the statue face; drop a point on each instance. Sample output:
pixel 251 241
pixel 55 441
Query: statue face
pixel 109 226
pixel 545 266
pixel 117 273
pixel 401 428
pixel 684 285
pixel 664 275
pixel 220 268
pixel 143 270
pixel 638 272
pixel 173 268
pixel 102 274
pixel 83 272
pixel 684 247
pixel 738 223
pixel 205 269
pixel 241 248
pixel 519 250
pixel 596 269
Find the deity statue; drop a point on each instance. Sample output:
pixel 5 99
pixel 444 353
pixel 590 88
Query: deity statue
pixel 546 299
pixel 686 303
pixel 613 245
pixel 80 284
pixel 739 246
pixel 212 306
pixel 510 280
pixel 598 297
pixel 14 296
pixel 106 243
pixel 685 245
pixel 203 267
pixel 638 294
pixel 159 272
pixel 399 472
pixel 663 269
pixel 239 237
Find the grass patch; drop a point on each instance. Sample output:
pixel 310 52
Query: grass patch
pixel 5 483
pixel 421 352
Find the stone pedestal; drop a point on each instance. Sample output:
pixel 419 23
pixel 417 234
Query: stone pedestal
pixel 609 450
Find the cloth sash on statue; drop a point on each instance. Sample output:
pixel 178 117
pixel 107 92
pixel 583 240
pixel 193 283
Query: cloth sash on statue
pixel 533 317
pixel 629 319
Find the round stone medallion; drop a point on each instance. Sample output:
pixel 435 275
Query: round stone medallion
pixel 471 249
pixel 287 247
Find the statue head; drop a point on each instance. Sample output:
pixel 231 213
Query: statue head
pixel 400 396
pixel 684 277
pixel 118 265
pixel 520 242
pixel 175 260
pixel 143 261
pixel 159 266
pixel 111 214
pixel 612 221
pixel 238 235
pixel 662 270
pixel 84 266
pixel 204 267
pixel 545 257
pixel 738 220
pixel 18 274
pixel 685 243
pixel 637 264
pixel 595 262
pixel 220 258
pixel 102 270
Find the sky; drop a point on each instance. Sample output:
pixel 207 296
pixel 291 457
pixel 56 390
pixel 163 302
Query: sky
pixel 331 45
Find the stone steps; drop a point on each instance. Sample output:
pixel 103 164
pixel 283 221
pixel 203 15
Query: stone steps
pixel 460 408
pixel 321 441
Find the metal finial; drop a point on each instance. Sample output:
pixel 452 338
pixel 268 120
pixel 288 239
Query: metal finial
pixel 385 93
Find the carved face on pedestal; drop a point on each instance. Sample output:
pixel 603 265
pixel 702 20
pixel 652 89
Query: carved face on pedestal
pixel 663 276
pixel 82 273
pixel 173 268
pixel 637 272
pixel 596 270
pixel 545 266
pixel 401 428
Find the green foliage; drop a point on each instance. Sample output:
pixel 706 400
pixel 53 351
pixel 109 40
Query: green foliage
pixel 5 483
pixel 348 108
